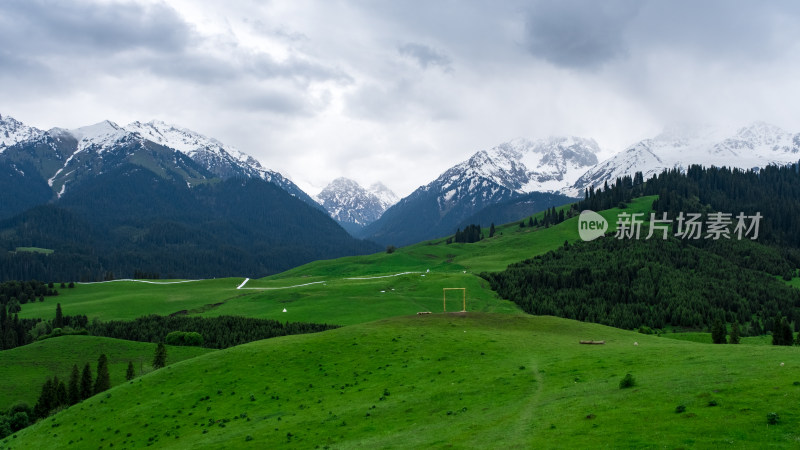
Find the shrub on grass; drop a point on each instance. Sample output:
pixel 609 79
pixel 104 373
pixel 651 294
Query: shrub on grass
pixel 773 418
pixel 627 382
pixel 680 408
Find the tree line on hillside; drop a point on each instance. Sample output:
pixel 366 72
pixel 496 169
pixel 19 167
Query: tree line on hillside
pixel 655 283
pixel 166 228
pixel 473 233
pixel 210 332
pixel 56 394
pixel 772 191
pixel 214 332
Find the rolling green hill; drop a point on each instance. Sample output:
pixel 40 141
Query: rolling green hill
pixel 24 369
pixel 470 380
pixel 492 377
pixel 324 292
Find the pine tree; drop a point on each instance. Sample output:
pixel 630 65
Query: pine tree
pixel 86 382
pixel 718 331
pixel 735 333
pixel 46 400
pixel 59 321
pixel 530 221
pixel 777 331
pixel 491 230
pixel 103 381
pixel 74 389
pixel 160 358
pixel 62 397
pixel 131 373
pixel 786 330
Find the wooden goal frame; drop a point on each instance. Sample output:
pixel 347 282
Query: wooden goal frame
pixel 444 297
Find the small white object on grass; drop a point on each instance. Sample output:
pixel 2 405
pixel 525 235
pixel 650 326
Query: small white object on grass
pixel 427 270
pixel 284 309
pixel 781 364
pixel 383 291
pixel 636 344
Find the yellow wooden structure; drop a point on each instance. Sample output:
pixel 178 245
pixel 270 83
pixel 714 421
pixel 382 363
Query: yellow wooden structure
pixel 444 297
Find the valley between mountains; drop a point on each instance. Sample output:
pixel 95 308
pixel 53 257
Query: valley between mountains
pixel 211 303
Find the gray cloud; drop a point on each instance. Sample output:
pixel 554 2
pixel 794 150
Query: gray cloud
pixel 579 33
pixel 426 56
pixel 373 83
pixel 102 28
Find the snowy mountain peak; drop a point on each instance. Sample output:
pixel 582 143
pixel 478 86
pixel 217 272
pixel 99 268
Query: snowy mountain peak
pixel 100 135
pixel 13 131
pixel 352 205
pixel 762 133
pixel 756 145
pixel 523 165
pixel 384 194
pixel 181 139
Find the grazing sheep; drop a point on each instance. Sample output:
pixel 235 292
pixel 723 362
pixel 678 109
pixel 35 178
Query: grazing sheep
pixel 636 344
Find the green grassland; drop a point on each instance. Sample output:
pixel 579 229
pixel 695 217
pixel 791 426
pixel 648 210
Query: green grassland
pixel 130 299
pixel 24 369
pixel 489 378
pixel 346 301
pixel 322 291
pixel 472 380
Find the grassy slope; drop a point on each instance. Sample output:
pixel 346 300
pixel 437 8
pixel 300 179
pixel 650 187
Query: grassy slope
pixel 475 380
pixel 130 299
pixel 24 369
pixel 339 300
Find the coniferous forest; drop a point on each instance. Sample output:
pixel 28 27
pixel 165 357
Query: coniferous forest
pixel 165 229
pixel 686 283
pixel 655 283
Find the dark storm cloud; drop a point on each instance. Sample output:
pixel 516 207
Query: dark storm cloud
pixel 50 45
pixel 579 33
pixel 73 27
pixel 425 56
pixel 718 29
pixel 586 34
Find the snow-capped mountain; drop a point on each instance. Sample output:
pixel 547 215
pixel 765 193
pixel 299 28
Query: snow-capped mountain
pixel 353 206
pixel 64 157
pixel 222 160
pixel 384 195
pixel 13 131
pixel 757 145
pixel 489 177
pixel 523 165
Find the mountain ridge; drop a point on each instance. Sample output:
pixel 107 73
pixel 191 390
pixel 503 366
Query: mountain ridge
pixel 354 206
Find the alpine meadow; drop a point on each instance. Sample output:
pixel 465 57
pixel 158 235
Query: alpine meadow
pixel 399 225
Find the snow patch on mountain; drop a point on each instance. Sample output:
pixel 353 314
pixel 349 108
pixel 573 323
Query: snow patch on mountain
pixel 384 194
pixel 13 131
pixel 523 166
pixel 349 203
pixel 100 136
pixel 757 145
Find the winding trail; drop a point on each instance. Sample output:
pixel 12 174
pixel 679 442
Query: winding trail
pixel 382 276
pixel 241 286
pixel 140 281
pixel 246 280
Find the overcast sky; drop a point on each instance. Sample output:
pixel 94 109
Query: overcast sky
pixel 399 91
